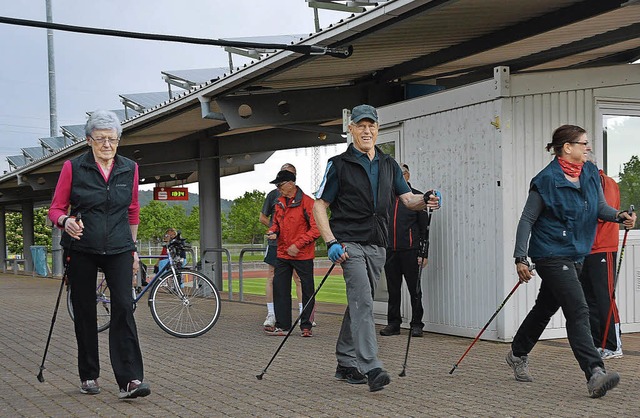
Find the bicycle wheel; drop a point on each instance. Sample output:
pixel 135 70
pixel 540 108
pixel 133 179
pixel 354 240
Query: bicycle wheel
pixel 185 306
pixel 103 303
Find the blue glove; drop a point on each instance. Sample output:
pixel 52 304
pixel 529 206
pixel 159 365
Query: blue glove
pixel 335 252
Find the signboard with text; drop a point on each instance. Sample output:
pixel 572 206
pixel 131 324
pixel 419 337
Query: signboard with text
pixel 170 193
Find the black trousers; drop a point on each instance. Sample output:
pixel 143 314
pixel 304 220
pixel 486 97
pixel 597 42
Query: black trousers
pixel 124 348
pixel 560 288
pixel 597 280
pixel 282 291
pixel 403 263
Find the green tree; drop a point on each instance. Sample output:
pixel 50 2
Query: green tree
pixel 191 227
pixel 41 232
pixel 243 225
pixel 156 217
pixel 630 184
pixel 14 232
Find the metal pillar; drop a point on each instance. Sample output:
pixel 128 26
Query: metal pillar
pixel 209 201
pixel 27 234
pixel 3 237
pixel 56 234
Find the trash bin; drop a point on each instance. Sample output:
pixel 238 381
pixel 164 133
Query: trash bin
pixel 39 256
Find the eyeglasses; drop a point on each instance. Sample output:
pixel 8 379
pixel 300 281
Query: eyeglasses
pixel 101 141
pixel 585 143
pixel 279 185
pixel 361 127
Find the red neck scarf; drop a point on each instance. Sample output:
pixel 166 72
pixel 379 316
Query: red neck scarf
pixel 569 168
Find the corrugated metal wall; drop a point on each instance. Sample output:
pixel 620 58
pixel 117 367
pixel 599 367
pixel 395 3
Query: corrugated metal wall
pixel 453 141
pixel 531 120
pixel 457 152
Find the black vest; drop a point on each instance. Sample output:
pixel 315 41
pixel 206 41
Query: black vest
pixel 104 205
pixel 354 217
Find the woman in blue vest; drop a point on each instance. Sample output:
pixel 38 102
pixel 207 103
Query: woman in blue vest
pixel 559 222
pixel 102 187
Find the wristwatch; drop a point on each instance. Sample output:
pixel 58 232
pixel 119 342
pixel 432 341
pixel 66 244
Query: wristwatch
pixel 331 243
pixel 522 260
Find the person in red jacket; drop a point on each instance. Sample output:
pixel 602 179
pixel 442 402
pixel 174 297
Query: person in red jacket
pixel 598 276
pixel 296 231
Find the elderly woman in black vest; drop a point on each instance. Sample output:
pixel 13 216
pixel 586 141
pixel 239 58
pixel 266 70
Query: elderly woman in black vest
pixel 102 187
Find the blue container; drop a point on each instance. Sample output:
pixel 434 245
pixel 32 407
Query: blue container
pixel 39 256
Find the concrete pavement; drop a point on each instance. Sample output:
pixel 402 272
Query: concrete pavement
pixel 215 374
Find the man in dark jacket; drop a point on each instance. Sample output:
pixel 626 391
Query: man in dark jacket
pixel 359 186
pixel 407 230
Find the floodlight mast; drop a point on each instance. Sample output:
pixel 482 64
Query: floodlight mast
pixel 336 52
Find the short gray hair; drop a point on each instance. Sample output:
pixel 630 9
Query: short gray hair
pixel 102 119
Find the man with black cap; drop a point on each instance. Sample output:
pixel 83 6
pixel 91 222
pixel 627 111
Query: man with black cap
pixel 359 186
pixel 270 257
pixel 296 231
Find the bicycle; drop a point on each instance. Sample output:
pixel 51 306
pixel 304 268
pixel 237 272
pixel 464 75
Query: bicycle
pixel 183 302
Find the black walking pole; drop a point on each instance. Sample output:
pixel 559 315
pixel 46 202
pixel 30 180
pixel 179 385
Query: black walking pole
pixel 615 283
pixel 55 313
pixel 313 297
pixel 424 253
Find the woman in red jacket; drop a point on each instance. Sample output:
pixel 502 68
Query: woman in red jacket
pixel 296 231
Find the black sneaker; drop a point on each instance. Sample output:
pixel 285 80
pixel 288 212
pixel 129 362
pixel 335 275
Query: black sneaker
pixel 390 330
pixel 351 375
pixel 378 379
pixel 416 331
pixel 134 389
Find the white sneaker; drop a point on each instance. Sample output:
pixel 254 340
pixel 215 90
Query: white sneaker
pixel 270 321
pixel 607 354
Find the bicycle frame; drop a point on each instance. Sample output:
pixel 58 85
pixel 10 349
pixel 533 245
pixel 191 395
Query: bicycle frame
pixel 170 266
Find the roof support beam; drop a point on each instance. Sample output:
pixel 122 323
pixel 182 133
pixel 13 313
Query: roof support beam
pixel 558 19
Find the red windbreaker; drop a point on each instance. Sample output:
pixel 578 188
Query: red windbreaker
pixel 607 233
pixel 293 222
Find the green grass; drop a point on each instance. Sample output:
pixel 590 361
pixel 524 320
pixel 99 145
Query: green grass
pixel 333 290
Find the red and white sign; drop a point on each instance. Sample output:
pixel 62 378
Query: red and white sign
pixel 170 193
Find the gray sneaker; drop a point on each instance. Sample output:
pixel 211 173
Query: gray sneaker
pixel 520 366
pixel 601 381
pixel 90 387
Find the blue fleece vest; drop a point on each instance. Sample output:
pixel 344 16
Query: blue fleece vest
pixel 567 225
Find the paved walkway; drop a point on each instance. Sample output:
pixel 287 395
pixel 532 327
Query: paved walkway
pixel 215 374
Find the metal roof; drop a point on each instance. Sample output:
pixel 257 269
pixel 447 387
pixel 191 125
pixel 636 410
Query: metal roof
pixel 287 100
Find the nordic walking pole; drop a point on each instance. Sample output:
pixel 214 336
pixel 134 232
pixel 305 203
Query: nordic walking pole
pixel 455 366
pixel 615 283
pixel 424 253
pixel 313 297
pixel 55 314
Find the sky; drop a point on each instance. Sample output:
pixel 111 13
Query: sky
pixel 92 70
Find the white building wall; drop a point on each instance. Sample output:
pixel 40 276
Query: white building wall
pixel 455 152
pixel 481 145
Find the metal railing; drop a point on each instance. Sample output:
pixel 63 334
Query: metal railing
pixel 240 271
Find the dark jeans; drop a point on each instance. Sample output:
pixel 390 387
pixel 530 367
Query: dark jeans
pixel 597 278
pixel 398 264
pixel 560 288
pixel 124 348
pixel 282 291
